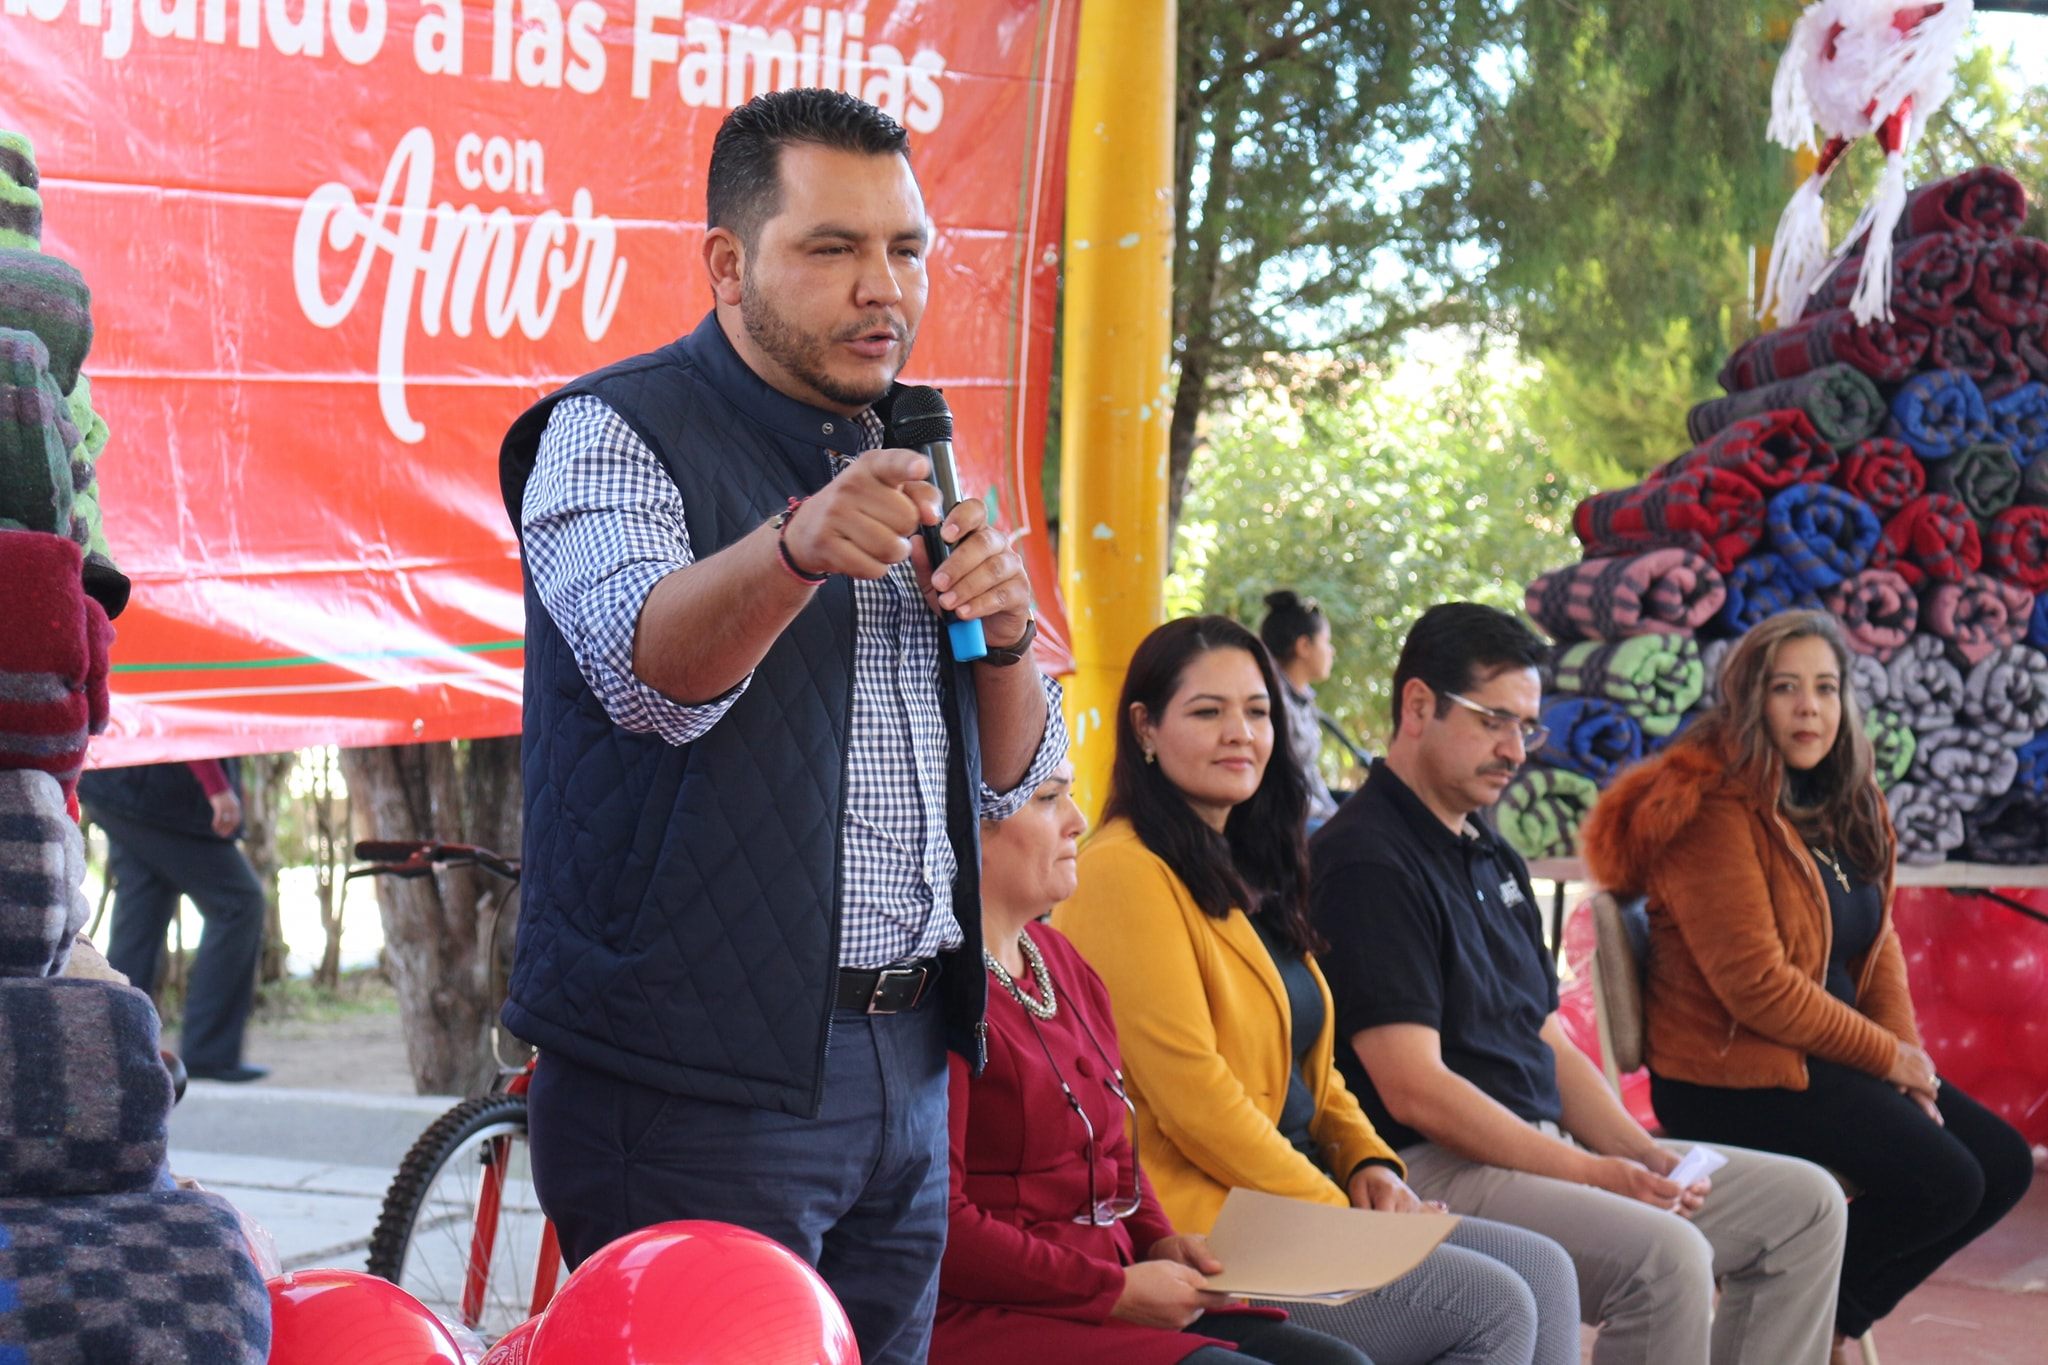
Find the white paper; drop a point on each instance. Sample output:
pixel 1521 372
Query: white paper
pixel 1695 1166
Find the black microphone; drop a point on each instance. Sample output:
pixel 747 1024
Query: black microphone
pixel 919 420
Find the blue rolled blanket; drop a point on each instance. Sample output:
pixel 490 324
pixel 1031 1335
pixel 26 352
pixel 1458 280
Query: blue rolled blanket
pixel 2021 420
pixel 2033 759
pixel 1939 412
pixel 1590 736
pixel 1823 533
pixel 2037 624
pixel 1760 586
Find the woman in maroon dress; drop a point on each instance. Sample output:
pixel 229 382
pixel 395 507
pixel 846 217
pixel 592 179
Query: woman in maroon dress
pixel 1056 1248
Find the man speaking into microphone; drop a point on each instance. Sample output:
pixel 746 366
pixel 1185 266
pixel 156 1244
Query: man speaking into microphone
pixel 753 770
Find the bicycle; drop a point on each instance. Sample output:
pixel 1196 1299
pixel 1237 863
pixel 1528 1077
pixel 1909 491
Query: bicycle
pixel 461 1229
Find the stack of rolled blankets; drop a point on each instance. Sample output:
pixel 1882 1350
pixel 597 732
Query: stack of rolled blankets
pixel 1894 474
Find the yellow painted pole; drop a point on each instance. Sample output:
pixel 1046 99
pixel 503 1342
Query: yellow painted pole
pixel 1116 386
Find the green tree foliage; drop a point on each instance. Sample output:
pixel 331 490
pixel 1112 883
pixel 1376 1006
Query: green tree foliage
pixel 1419 486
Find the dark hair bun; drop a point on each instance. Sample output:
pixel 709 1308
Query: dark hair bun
pixel 1283 600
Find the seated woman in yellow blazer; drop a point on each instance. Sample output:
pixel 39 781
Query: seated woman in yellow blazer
pixel 1225 1019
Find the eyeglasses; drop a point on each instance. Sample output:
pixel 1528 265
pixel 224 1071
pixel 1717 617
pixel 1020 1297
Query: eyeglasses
pixel 1098 1212
pixel 1499 723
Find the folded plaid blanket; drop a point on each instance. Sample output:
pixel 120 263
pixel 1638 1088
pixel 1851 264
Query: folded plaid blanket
pixel 1878 609
pixel 1840 401
pixel 1972 767
pixel 2020 419
pixel 1932 537
pixel 1983 476
pixel 2033 764
pixel 44 295
pixel 1885 473
pixel 1590 736
pixel 1929 274
pixel 1824 533
pixel 1760 586
pixel 1540 812
pixel 1717 513
pixel 1983 202
pixel 1892 743
pixel 1938 413
pixel 1657 677
pixel 36 487
pixel 53 658
pixel 1974 345
pixel 1886 351
pixel 21 208
pixel 1928 821
pixel 2005 695
pixel 42 873
pixel 2016 548
pixel 1668 590
pixel 85 1102
pixel 2010 830
pixel 1869 682
pixel 2011 284
pixel 1977 615
pixel 1773 450
pixel 1927 689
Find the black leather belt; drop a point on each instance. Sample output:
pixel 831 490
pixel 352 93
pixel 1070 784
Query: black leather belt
pixel 887 990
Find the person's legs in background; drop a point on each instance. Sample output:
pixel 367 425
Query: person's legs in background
pixel 144 903
pixel 223 982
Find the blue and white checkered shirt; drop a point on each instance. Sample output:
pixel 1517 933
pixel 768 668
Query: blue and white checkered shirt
pixel 603 523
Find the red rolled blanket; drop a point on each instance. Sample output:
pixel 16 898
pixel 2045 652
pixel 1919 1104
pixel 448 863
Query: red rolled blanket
pixel 1972 344
pixel 1878 610
pixel 2011 284
pixel 2016 548
pixel 1930 274
pixel 1932 537
pixel 1886 351
pixel 1983 202
pixel 1977 615
pixel 2030 344
pixel 1884 473
pixel 1773 450
pixel 1710 510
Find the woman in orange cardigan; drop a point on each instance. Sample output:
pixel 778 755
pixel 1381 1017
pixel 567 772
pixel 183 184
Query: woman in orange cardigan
pixel 1191 908
pixel 1777 1010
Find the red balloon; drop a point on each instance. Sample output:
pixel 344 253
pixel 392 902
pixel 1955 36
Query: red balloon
pixel 2020 1100
pixel 344 1317
pixel 1965 1047
pixel 694 1293
pixel 515 1347
pixel 2013 970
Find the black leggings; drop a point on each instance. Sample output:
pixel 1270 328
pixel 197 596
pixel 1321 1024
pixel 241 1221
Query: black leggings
pixel 1925 1190
pixel 1262 1341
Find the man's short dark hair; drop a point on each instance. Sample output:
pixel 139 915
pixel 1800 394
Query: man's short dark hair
pixel 744 188
pixel 1457 645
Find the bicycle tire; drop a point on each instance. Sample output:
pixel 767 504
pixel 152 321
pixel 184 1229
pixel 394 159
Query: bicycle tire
pixel 428 1258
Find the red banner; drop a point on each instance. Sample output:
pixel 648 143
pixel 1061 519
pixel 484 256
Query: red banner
pixel 335 246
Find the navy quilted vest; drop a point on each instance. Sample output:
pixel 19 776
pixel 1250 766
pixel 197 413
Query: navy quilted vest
pixel 680 910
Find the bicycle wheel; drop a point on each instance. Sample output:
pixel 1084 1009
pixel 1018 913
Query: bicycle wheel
pixel 461 1229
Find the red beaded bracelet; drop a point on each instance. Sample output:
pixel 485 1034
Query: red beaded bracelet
pixel 789 565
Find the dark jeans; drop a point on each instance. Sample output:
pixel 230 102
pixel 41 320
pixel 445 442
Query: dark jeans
pixel 859 1192
pixel 152 868
pixel 1262 1341
pixel 1925 1190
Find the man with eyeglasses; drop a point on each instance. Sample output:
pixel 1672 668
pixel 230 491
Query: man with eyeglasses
pixel 1446 991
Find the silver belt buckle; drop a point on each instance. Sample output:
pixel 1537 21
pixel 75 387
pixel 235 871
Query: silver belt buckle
pixel 882 979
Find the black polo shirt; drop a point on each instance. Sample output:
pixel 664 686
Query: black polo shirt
pixel 1439 929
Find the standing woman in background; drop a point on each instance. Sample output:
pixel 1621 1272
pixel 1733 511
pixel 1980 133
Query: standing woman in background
pixel 1297 634
pixel 1777 1009
pixel 1192 907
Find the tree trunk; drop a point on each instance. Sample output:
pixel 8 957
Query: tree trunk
pixel 438 930
pixel 265 780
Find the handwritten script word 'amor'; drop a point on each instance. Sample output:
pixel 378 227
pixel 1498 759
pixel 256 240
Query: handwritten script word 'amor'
pixel 448 259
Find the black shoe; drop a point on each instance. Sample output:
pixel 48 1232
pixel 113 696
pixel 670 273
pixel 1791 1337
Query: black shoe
pixel 234 1075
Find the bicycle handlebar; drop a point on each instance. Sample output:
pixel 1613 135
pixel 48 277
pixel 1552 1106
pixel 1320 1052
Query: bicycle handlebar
pixel 418 857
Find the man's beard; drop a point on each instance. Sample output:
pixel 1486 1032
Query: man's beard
pixel 802 354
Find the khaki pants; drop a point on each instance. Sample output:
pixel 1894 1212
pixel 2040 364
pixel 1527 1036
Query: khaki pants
pixel 1770 1233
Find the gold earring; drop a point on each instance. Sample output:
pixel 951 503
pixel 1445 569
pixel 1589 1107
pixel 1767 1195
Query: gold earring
pixel 1148 755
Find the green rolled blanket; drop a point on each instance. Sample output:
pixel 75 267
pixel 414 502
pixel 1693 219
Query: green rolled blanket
pixel 1984 476
pixel 92 428
pixel 1540 812
pixel 1844 405
pixel 1891 742
pixel 37 489
pixel 21 207
pixel 44 295
pixel 1656 678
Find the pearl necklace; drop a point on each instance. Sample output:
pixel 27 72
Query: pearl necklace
pixel 1048 1003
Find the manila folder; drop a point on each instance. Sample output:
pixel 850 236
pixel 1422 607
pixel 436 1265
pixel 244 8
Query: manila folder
pixel 1288 1249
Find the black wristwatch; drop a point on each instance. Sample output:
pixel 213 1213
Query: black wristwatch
pixel 1004 656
